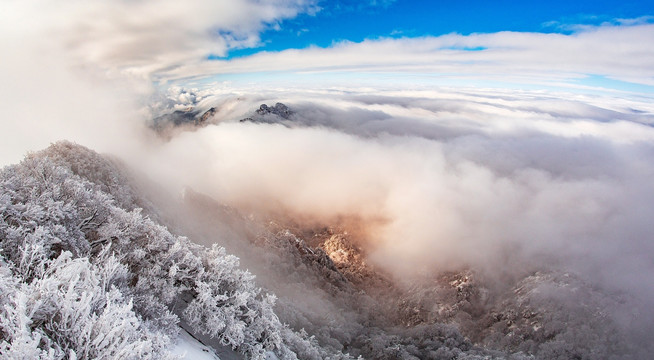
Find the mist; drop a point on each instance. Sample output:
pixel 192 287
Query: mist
pixel 431 179
pixel 466 196
pixel 431 184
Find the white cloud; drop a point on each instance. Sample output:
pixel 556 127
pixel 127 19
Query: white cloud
pixel 82 69
pixel 619 52
pixel 444 178
pixel 145 37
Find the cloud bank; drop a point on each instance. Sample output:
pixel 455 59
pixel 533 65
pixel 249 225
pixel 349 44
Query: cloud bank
pixel 504 183
pixel 445 184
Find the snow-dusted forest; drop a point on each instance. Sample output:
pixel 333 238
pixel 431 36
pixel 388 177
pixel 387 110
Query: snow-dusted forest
pixel 86 274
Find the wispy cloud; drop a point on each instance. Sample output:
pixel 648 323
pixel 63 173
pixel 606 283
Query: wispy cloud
pixel 588 22
pixel 353 5
pixel 618 52
pixel 383 3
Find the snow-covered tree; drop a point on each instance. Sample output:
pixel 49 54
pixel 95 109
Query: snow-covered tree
pixel 85 274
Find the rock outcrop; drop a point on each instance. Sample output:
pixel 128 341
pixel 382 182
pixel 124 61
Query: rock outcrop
pixel 186 117
pixel 176 118
pixel 206 116
pixel 279 109
pixel 270 114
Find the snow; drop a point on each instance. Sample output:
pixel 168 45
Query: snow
pixel 189 348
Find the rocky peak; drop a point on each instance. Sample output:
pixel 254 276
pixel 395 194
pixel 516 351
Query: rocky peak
pixel 185 117
pixel 206 116
pixel 279 109
pixel 262 115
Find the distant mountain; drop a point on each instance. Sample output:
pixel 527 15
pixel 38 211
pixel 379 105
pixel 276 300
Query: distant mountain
pixel 191 117
pixel 176 118
pixel 188 116
pixel 279 109
pixel 206 116
pixel 270 114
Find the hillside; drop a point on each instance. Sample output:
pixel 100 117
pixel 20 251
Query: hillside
pixel 94 265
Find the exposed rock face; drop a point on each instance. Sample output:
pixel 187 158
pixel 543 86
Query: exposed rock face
pixel 206 116
pixel 279 109
pixel 184 117
pixel 176 118
pixel 327 286
pixel 191 116
pixel 270 114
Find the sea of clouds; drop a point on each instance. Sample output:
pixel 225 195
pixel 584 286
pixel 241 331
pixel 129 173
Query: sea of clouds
pixel 495 178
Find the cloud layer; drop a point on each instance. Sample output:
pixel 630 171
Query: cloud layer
pixel 618 52
pixel 164 40
pixel 444 183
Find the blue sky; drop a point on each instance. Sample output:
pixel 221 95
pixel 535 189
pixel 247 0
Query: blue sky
pixel 358 20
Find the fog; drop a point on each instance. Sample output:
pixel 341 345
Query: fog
pixel 506 182
pixel 439 199
pixel 446 181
